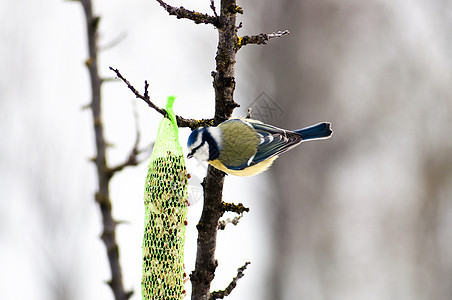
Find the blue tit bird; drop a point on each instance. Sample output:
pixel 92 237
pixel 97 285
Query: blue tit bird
pixel 245 147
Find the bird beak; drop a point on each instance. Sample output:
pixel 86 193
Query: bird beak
pixel 189 155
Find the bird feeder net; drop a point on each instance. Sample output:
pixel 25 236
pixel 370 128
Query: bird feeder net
pixel 165 201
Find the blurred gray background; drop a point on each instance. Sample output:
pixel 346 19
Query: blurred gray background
pixel 364 215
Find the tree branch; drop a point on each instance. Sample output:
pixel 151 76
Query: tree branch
pixel 182 13
pixel 260 39
pixel 231 286
pixel 102 196
pixel 237 208
pixel 224 85
pixel 181 122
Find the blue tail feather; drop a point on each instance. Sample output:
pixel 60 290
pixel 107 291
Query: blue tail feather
pixel 314 132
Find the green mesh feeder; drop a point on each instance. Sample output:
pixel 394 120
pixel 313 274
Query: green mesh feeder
pixel 165 201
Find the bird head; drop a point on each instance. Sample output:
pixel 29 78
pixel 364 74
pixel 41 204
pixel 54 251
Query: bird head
pixel 204 143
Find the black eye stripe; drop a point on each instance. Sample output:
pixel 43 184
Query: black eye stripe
pixel 196 148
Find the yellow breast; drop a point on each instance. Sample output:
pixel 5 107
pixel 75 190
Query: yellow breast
pixel 253 170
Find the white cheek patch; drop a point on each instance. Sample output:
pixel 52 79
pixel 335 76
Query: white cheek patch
pixel 202 153
pixel 215 132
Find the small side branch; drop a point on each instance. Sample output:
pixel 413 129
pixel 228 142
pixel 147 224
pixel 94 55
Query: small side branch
pixel 132 159
pixel 237 208
pixel 182 13
pixel 144 97
pixel 260 39
pixel 181 122
pixel 231 286
pixel 214 9
pixel 234 221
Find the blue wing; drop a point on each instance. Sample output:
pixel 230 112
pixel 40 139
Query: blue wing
pixel 273 141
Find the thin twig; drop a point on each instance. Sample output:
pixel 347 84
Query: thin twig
pixel 249 114
pixel 234 221
pixel 278 34
pixel 231 286
pixel 144 97
pixel 212 6
pixel 260 39
pixel 132 159
pixel 181 122
pixel 182 13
